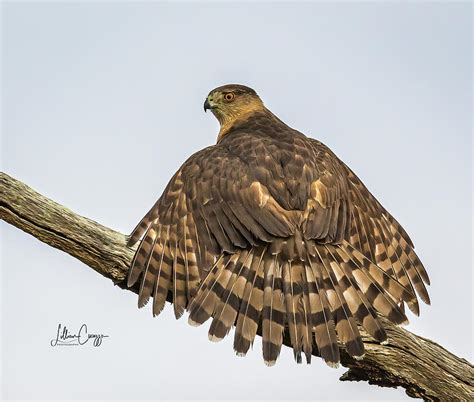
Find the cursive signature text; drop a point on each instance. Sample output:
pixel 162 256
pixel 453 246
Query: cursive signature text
pixel 65 337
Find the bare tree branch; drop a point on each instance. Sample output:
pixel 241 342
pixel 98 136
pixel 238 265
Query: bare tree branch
pixel 422 367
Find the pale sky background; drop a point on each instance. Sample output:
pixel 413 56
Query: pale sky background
pixel 103 101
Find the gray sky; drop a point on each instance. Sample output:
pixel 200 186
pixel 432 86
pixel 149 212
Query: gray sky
pixel 92 89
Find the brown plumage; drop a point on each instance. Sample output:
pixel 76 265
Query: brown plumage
pixel 269 229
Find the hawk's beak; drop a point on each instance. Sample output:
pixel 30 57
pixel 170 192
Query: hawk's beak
pixel 207 105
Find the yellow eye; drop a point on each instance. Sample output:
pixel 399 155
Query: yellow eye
pixel 229 96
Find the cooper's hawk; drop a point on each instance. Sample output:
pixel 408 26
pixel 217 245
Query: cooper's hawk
pixel 269 228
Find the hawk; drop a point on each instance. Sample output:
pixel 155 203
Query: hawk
pixel 268 230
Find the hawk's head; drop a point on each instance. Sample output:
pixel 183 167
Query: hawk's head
pixel 229 102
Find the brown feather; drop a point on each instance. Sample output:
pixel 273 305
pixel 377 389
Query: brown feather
pixel 273 312
pixel 251 306
pixel 345 324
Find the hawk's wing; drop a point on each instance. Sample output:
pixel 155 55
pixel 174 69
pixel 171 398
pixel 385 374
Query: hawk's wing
pixel 213 204
pixel 377 234
pixel 252 233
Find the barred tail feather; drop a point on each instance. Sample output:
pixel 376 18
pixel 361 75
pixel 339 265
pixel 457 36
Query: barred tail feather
pixel 346 326
pixel 306 312
pixel 292 294
pixel 226 312
pixel 356 300
pixel 273 323
pixel 321 317
pixel 251 306
pixel 211 290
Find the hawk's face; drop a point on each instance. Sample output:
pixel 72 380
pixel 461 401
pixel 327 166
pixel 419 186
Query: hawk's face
pixel 229 102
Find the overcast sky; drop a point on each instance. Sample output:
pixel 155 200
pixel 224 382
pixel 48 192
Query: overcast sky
pixel 90 90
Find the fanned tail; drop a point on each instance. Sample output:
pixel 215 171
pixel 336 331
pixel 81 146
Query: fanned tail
pixel 317 292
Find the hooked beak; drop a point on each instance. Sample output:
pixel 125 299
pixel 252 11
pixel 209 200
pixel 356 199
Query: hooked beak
pixel 207 105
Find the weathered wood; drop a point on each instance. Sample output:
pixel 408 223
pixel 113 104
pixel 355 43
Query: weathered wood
pixel 422 367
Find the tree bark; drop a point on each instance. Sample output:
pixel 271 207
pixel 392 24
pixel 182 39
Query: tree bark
pixel 425 369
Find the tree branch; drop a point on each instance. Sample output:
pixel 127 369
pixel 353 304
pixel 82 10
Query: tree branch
pixel 422 367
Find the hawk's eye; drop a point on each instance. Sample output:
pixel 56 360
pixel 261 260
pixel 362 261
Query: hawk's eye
pixel 229 96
